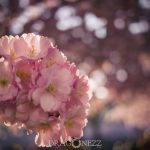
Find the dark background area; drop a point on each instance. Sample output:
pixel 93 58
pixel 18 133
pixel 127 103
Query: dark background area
pixel 109 40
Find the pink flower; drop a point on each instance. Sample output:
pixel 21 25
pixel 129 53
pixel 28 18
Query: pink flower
pixel 33 46
pixel 23 107
pixel 49 134
pixel 6 45
pixel 23 111
pixel 54 56
pixel 28 45
pixel 7 88
pixel 9 114
pixel 41 90
pixel 54 87
pixel 36 118
pixel 72 123
pixel 81 90
pixel 25 72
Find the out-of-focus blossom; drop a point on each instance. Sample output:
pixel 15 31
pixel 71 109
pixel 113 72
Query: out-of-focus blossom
pixel 134 114
pixel 144 60
pixel 30 13
pixel 139 27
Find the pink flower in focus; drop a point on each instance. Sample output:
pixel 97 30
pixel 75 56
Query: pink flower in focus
pixel 37 117
pixel 34 46
pixel 49 133
pixel 72 123
pixel 40 90
pixel 6 45
pixel 25 71
pixel 7 88
pixel 9 114
pixel 55 86
pixel 81 90
pixel 54 56
pixel 24 107
pixel 28 45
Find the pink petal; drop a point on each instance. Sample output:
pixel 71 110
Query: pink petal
pixel 49 103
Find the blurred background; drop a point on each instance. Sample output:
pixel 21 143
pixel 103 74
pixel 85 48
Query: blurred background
pixel 109 40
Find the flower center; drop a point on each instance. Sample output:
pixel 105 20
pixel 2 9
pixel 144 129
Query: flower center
pixel 32 52
pixel 44 126
pixel 24 76
pixel 12 53
pixel 3 83
pixel 69 124
pixel 80 93
pixel 50 62
pixel 52 89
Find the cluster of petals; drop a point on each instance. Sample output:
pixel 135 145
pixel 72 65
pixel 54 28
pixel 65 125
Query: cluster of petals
pixel 40 90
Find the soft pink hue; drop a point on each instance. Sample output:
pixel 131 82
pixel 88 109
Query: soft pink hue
pixel 72 123
pixel 41 90
pixel 28 45
pixel 54 87
pixel 7 87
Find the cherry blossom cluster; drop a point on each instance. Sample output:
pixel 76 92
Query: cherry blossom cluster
pixel 41 90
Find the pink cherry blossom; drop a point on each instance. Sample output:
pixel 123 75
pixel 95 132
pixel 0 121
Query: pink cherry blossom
pixel 34 46
pixel 81 90
pixel 41 90
pixel 25 70
pixel 7 88
pixel 49 133
pixel 72 123
pixel 37 117
pixel 28 45
pixel 55 86
pixel 54 56
pixel 9 114
pixel 24 107
pixel 6 45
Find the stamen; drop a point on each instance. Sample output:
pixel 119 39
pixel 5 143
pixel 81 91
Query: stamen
pixel 50 62
pixel 12 53
pixel 3 82
pixel 32 52
pixel 80 93
pixel 24 76
pixel 69 124
pixel 44 126
pixel 52 89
